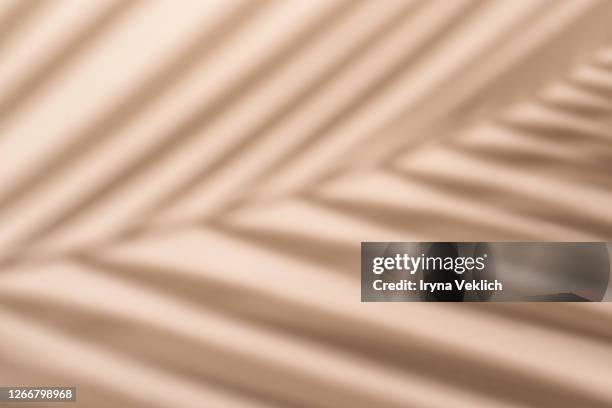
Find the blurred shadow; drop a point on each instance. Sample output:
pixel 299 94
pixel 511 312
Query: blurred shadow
pixel 45 71
pixel 513 202
pixel 424 222
pixel 561 317
pixel 363 339
pixel 319 251
pixel 140 98
pixel 594 171
pixel 198 360
pixel 554 132
pixel 89 394
pixel 17 17
pixel 365 96
pixel 178 135
pixel 599 89
pixel 486 92
pixel 255 135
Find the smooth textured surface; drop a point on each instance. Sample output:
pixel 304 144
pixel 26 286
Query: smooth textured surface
pixel 184 188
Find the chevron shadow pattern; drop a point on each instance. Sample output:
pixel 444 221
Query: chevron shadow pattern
pixel 185 185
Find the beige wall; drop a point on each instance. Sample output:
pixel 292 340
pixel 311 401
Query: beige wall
pixel 184 186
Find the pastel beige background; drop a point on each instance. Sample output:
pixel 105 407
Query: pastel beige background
pixel 184 186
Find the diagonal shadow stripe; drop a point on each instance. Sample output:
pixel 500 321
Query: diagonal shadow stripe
pixel 599 89
pixel 588 170
pixel 93 134
pixel 377 87
pixel 513 202
pixel 93 394
pixel 255 135
pixel 320 251
pixel 559 133
pixel 374 89
pixel 250 376
pixel 59 61
pixel 427 46
pixel 184 131
pixel 403 123
pixel 364 339
pixel 17 17
pixel 556 316
pixel 411 221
